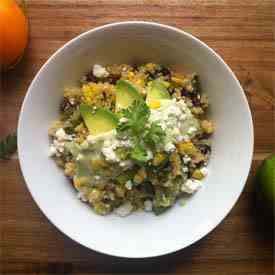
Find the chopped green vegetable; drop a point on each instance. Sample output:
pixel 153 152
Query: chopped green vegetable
pixel 154 135
pixel 158 210
pixel 8 146
pixel 139 154
pixel 137 115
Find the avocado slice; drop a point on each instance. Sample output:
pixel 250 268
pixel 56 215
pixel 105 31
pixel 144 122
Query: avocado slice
pixel 157 91
pixel 99 120
pixel 126 94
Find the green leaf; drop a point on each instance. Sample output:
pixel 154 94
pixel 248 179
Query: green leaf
pixel 137 116
pixel 154 135
pixel 139 154
pixel 8 146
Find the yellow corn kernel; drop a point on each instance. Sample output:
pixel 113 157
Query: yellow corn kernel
pixel 150 67
pixel 187 148
pixel 69 169
pixel 179 81
pixel 207 126
pixel 95 195
pixel 176 164
pixel 140 176
pixel 158 159
pixel 130 74
pixel 197 174
pixel 154 104
pixel 80 182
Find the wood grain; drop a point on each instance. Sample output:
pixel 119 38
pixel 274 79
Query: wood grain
pixel 242 32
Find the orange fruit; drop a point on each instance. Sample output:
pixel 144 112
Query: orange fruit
pixel 13 33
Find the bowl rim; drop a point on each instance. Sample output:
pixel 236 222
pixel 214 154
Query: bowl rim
pixel 167 28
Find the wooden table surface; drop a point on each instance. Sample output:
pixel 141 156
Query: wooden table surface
pixel 242 33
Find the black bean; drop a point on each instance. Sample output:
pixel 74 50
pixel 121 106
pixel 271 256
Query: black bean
pixel 204 149
pixel 112 79
pixel 65 105
pixel 91 78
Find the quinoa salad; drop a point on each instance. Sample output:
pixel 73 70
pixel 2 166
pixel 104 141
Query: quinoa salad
pixel 133 138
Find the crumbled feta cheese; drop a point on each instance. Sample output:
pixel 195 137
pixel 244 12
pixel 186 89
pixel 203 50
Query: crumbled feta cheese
pixel 110 154
pixel 169 147
pixel 61 135
pixel 186 159
pixel 52 151
pixel 124 210
pixel 72 101
pixel 191 130
pixel 129 185
pixel 185 138
pixel 148 205
pixel 176 119
pixel 179 138
pixel 149 154
pixel 191 186
pixel 185 169
pixel 126 164
pixel 82 194
pixel 79 157
pixel 100 71
pixel 123 120
pixel 59 146
pixel 204 171
pixel 97 177
pixel 125 143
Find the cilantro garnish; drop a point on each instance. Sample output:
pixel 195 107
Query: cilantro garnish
pixel 141 132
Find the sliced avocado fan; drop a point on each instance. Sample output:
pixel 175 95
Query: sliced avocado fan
pixel 157 91
pixel 126 94
pixel 98 121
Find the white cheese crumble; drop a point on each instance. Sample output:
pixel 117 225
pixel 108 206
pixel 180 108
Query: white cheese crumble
pixel 123 120
pixel 148 205
pixel 129 185
pixel 185 169
pixel 191 186
pixel 169 147
pixel 204 171
pixel 100 71
pixel 110 154
pixel 52 151
pixel 61 135
pixel 124 210
pixel 79 157
pixel 176 119
pixel 186 159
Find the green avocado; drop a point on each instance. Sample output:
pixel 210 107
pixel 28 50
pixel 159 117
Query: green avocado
pixel 126 94
pixel 157 91
pixel 99 120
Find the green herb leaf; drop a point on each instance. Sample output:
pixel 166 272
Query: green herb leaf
pixel 137 115
pixel 154 135
pixel 8 146
pixel 139 154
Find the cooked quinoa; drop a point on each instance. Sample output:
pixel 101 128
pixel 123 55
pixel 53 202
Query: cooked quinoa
pixel 133 137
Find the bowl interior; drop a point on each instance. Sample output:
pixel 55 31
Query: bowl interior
pixel 139 235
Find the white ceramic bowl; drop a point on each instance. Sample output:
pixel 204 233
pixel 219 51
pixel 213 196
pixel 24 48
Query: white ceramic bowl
pixel 139 235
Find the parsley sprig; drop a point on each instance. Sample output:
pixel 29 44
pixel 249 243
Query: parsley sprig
pixel 141 132
pixel 8 146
